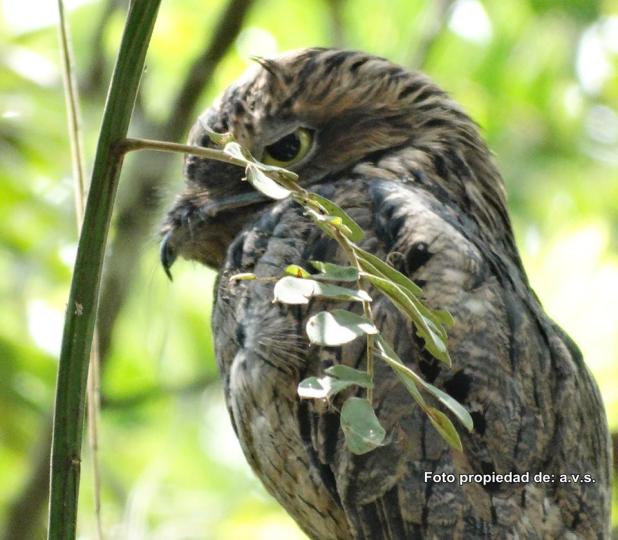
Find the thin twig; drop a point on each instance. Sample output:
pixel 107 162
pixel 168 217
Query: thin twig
pixel 132 144
pixel 77 159
pixel 73 114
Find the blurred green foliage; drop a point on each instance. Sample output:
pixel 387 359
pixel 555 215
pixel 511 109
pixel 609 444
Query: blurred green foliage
pixel 539 76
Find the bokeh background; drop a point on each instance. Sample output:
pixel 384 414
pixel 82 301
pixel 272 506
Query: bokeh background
pixel 539 76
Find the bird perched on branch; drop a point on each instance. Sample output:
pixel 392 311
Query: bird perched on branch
pixel 403 159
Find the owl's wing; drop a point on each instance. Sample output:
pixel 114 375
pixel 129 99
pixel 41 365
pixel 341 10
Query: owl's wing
pixel 534 405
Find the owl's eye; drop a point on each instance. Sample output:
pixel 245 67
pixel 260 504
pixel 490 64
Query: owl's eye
pixel 289 149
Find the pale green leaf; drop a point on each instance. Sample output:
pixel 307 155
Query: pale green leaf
pixel 361 427
pixel 293 290
pixel 265 184
pixel 234 150
pixel 323 387
pixel 337 327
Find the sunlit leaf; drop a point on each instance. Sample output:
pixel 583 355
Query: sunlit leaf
pixel 336 327
pixel 264 184
pixel 293 290
pixel 328 386
pixel 334 272
pixel 361 427
pixel 445 427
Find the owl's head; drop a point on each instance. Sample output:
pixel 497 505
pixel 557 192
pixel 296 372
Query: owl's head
pixel 322 113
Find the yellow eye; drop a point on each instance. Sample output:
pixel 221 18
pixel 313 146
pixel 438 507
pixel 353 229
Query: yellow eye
pixel 289 149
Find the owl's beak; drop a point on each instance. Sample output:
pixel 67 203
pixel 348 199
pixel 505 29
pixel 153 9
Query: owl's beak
pixel 167 254
pixel 216 215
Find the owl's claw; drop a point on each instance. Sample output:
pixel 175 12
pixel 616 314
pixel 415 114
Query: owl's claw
pixel 167 254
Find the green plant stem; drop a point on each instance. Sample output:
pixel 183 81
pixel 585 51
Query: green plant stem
pixel 370 339
pixel 83 299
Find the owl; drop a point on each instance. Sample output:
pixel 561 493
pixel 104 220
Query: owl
pixel 403 159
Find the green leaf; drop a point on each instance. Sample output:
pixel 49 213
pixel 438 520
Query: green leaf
pixel 433 335
pixel 337 327
pixel 265 184
pixel 405 374
pixel 361 427
pixel 450 403
pixel 335 292
pixel 445 427
pixel 355 232
pixel 334 272
pixel 413 381
pixel 296 271
pixel 293 290
pixel 376 266
pixel 349 374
